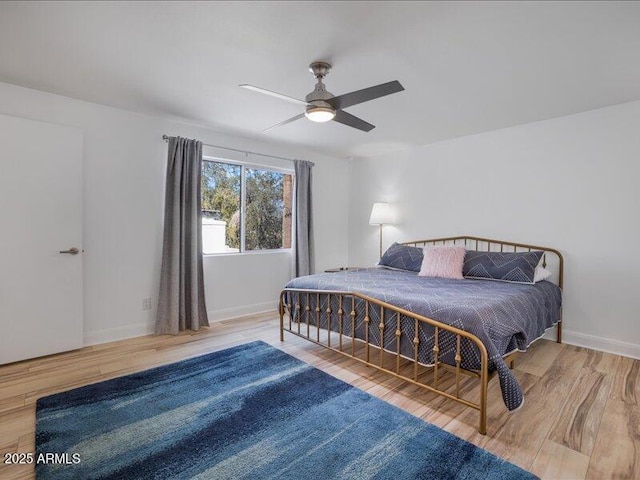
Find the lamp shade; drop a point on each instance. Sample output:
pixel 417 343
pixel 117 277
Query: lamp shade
pixel 381 214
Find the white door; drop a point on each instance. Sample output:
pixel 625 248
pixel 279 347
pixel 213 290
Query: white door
pixel 40 216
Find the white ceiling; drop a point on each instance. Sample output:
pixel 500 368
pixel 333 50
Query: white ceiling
pixel 467 67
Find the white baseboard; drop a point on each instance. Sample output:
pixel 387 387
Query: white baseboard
pixel 118 333
pixel 140 329
pixel 609 345
pixel 603 344
pixel 228 313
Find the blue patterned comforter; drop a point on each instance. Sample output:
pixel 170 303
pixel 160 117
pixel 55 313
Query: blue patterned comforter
pixel 504 316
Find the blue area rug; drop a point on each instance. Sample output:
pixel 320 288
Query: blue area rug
pixel 250 412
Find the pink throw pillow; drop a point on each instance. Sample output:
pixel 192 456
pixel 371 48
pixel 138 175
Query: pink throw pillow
pixel 443 262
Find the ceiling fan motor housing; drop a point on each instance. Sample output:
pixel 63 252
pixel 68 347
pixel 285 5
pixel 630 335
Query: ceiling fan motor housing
pixel 316 104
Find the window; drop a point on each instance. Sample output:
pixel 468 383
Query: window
pixel 245 208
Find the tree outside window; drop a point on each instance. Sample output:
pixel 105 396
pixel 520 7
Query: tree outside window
pixel 266 202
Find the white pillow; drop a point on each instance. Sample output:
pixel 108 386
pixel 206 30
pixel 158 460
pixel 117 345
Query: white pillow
pixel 540 274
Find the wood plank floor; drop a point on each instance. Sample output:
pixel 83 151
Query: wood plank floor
pixel 580 419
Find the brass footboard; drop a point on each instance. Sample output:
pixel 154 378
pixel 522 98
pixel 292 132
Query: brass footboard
pixel 323 317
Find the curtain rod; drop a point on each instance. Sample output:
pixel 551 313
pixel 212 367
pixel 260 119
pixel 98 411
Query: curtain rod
pixel 166 139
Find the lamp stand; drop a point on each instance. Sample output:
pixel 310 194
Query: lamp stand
pixel 381 215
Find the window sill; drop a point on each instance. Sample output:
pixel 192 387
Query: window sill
pixel 251 252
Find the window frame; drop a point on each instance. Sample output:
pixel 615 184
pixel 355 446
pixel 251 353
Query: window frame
pixel 243 194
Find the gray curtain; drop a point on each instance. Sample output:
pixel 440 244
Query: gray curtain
pixel 181 303
pixel 304 258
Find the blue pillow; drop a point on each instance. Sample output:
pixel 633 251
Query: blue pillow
pixel 402 257
pixel 517 267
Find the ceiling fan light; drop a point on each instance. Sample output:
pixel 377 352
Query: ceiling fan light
pixel 320 114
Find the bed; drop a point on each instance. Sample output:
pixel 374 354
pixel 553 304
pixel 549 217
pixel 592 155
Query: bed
pixel 430 331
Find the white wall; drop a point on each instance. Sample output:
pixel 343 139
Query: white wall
pixel 124 168
pixel 569 183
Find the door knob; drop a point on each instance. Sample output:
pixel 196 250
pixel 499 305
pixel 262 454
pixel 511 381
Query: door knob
pixel 71 251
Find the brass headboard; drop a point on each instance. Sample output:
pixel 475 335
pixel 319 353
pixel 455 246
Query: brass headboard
pixel 551 257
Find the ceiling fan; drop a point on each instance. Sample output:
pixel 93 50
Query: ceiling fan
pixel 322 106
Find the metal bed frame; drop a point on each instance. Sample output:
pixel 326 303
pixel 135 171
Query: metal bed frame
pixel 307 312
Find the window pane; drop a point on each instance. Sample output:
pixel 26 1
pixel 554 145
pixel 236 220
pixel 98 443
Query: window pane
pixel 268 217
pixel 220 207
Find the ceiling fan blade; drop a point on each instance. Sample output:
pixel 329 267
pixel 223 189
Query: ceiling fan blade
pixel 289 120
pixel 352 121
pixel 364 95
pixel 273 94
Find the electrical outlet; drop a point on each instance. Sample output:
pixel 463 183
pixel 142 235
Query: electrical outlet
pixel 146 303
